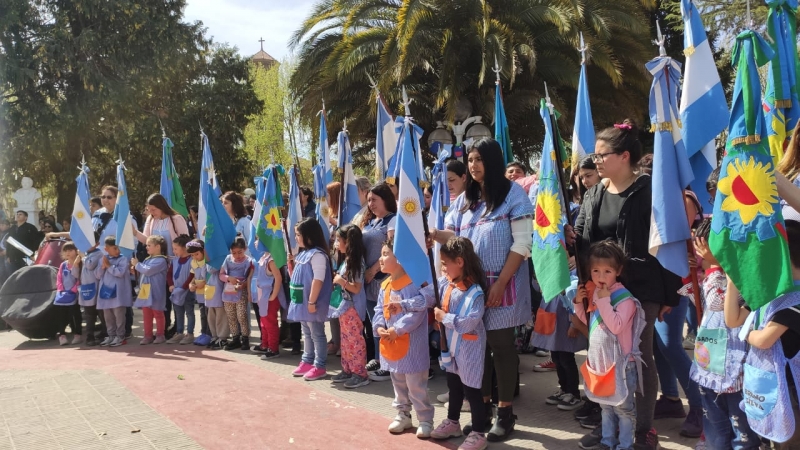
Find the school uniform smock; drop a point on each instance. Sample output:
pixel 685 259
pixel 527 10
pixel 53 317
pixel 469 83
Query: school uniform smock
pixel 239 270
pixel 553 321
pixel 300 287
pixel 493 238
pixel 114 288
pixel 87 292
pixel 153 284
pixel 213 290
pixel 374 235
pixel 199 274
pixel 264 284
pixel 179 276
pixel 409 353
pixel 65 280
pixel 350 300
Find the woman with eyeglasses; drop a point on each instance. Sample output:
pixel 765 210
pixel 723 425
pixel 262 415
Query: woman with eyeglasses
pixel 618 208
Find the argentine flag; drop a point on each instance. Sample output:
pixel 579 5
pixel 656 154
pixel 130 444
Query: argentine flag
pixel 324 148
pixel 386 139
pixel 583 131
pixel 350 203
pixel 323 211
pixel 409 235
pixel 122 215
pixel 207 175
pixel 81 230
pixel 703 109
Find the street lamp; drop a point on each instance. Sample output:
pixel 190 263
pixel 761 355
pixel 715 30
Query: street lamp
pixel 472 128
pixel 440 135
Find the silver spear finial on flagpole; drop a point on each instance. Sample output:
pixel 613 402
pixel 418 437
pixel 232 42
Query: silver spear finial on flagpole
pixel 497 69
pixel 547 99
pixel 660 41
pixel 583 48
pixel 406 102
pixel 163 131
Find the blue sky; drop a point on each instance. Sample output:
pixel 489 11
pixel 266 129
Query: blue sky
pixel 241 23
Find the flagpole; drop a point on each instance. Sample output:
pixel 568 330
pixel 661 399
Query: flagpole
pixel 698 303
pixel 283 220
pixel 341 179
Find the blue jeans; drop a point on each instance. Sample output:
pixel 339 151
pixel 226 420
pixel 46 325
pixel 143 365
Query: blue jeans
pixel 622 416
pixel 725 424
pixel 691 317
pixel 672 362
pixel 315 344
pixel 376 339
pixel 185 311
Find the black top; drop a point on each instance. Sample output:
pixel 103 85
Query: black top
pixel 310 211
pixel 790 340
pixel 28 236
pixel 610 208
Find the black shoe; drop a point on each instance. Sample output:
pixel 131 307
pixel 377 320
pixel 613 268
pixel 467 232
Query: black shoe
pixel 245 343
pixel 373 366
pixel 171 332
pixel 504 424
pixel 430 374
pixel 91 343
pixel 287 343
pixel 259 349
pixel 646 441
pixel 591 440
pixel 269 354
pixel 218 344
pixel 585 411
pixel 594 420
pixel 489 415
pixel 233 344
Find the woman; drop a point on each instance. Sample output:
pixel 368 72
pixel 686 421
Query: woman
pixel 234 206
pixel 619 208
pixel 495 214
pixel 790 168
pixel 307 202
pixel 377 226
pixel 193 221
pixel 456 178
pixel 334 202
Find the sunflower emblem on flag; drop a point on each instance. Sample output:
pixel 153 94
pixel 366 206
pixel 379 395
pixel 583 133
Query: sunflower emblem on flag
pixel 548 215
pixel 273 220
pixel 410 206
pixel 749 189
pixel 80 215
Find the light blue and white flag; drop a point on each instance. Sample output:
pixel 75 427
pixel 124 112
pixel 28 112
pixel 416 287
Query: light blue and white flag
pixel 440 200
pixel 409 235
pixel 386 139
pixel 669 228
pixel 207 176
pixel 349 202
pixel 323 211
pixel 81 230
pixel 393 174
pixel 122 215
pixel 324 148
pixel 295 211
pixel 703 108
pixel 583 132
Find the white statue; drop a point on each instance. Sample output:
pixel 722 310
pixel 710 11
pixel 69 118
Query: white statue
pixel 26 201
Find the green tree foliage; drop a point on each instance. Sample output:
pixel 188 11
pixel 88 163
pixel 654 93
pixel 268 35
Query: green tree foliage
pixel 96 78
pixel 443 52
pixel 264 134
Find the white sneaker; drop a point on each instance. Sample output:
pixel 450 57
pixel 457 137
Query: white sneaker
pixel 62 340
pixel 116 342
pixel 176 339
pixel 443 398
pixel 424 430
pixel 107 341
pixel 77 339
pixel 401 423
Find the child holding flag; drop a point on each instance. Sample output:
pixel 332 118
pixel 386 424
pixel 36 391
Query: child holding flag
pixel 269 296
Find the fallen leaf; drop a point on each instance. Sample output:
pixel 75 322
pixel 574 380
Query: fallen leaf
pixel 102 433
pixel 135 430
pixel 180 377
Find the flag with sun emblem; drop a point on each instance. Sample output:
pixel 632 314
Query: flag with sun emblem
pixel 549 254
pixel 323 211
pixel 122 214
pixel 267 218
pixel 81 230
pixel 748 236
pixel 409 235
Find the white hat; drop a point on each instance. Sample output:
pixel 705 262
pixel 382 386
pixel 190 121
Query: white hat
pixel 248 192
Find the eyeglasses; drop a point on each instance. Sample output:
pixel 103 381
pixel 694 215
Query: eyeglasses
pixel 600 157
pixel 108 197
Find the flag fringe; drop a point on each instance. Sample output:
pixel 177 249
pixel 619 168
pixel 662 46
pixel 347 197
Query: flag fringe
pixel 748 140
pixel 424 184
pixel 688 51
pixel 783 103
pixel 392 180
pixel 664 126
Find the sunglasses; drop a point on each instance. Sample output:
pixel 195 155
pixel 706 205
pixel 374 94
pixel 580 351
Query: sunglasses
pixel 108 197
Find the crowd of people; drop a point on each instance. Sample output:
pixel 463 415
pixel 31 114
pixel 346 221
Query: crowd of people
pixel 624 307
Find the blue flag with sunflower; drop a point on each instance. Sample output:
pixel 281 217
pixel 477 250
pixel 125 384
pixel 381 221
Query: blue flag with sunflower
pixel 267 216
pixel 748 236
pixel 549 253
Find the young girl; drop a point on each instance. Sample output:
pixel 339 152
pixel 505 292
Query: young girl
pixel 67 295
pixel 235 275
pixel 404 347
pixel 615 326
pixel 310 291
pixel 178 279
pixel 217 317
pixel 152 296
pixel 718 358
pixel 270 299
pixel 772 365
pixel 196 249
pixel 461 317
pixel 114 295
pixel 350 306
pixel 84 269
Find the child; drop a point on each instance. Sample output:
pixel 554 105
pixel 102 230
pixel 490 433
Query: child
pixel 404 347
pixel 235 274
pixel 270 299
pixel 349 307
pixel 461 318
pixel 152 296
pixel 67 295
pixel 217 317
pixel 310 291
pixel 772 365
pixel 718 358
pixel 612 367
pixel 178 279
pixel 84 269
pixel 196 248
pixel 114 292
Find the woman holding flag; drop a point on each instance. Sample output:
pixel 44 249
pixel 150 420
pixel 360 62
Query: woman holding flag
pixel 495 214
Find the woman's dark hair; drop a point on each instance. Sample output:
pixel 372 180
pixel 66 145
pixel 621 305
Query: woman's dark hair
pixel 158 201
pixel 587 163
pixel 459 247
pixel 49 223
pixel 383 191
pixel 311 233
pixel 518 165
pixel 623 138
pixel 193 209
pixel 182 240
pixel 109 187
pixel 495 182
pixel 793 235
pixel 457 167
pixel 237 204
pixel 703 230
pixel 96 201
pixel 307 191
pixel 239 242
pixel 711 181
pixel 69 245
pixel 607 251
pixel 354 251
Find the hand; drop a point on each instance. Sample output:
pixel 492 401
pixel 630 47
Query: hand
pixel 702 249
pixel 663 311
pixel 394 308
pixel 105 264
pixel 603 291
pixel 382 333
pixel 338 279
pixel 496 293
pixel 50 235
pixel 573 332
pixel 391 334
pixel 571 263
pixel 569 235
pixel 439 314
pixel 172 288
pixel 312 308
pixel 430 239
pixel 77 260
pixel 581 295
pixel 134 261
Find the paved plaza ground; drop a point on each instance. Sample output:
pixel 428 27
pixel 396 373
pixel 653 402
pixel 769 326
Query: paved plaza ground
pixel 186 397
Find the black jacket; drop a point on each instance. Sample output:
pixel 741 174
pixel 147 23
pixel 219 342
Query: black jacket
pixel 643 275
pixel 27 235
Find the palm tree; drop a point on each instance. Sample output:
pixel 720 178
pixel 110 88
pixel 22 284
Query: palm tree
pixel 443 52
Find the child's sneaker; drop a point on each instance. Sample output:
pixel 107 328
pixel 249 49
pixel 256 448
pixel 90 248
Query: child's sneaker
pixel 62 340
pixel 356 382
pixel 259 349
pixel 547 366
pixel 443 398
pixel 159 340
pixel 316 373
pixel 380 375
pixel 77 339
pixel 107 341
pixel 424 430
pixel 188 338
pixel 401 423
pixel 474 441
pixel 373 366
pixel 555 398
pixel 116 342
pixel 175 339
pixel 302 369
pixel 145 341
pixel 269 354
pixel 447 429
pixel 570 403
pixel 203 340
pixel 341 377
